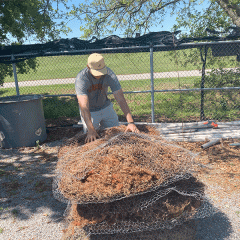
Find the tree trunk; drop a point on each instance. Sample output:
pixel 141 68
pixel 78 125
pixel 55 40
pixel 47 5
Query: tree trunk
pixel 232 10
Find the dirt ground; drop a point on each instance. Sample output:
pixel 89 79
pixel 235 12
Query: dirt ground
pixel 217 164
pixel 27 178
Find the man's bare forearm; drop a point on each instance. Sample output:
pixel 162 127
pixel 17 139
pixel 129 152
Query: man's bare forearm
pixel 126 111
pixel 123 105
pixel 84 106
pixel 87 117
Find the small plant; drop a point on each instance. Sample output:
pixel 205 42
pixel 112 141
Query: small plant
pixel 28 198
pixel 12 187
pixel 13 192
pixel 15 212
pixel 2 172
pixel 37 144
pixel 1 230
pixel 40 186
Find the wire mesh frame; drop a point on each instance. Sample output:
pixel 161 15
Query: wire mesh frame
pixel 151 49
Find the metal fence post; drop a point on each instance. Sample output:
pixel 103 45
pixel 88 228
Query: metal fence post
pixel 152 84
pixel 204 60
pixel 15 75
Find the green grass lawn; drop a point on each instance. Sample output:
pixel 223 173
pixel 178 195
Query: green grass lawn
pixel 169 106
pixel 127 85
pixel 55 67
pixel 184 106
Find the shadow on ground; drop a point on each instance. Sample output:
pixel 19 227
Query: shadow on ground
pixel 26 184
pixel 26 189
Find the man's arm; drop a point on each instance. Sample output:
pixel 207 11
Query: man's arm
pixel 83 102
pixel 118 95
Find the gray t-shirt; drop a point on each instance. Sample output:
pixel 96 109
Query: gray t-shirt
pixel 96 89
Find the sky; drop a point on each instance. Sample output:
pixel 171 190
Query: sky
pixel 75 24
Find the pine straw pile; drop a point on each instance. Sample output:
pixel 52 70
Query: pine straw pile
pixel 100 219
pixel 126 216
pixel 79 138
pixel 118 165
pixel 180 204
pixel 126 182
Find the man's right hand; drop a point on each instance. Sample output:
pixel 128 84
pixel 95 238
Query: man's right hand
pixel 92 135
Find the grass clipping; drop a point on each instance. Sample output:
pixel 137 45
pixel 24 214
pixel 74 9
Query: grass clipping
pixel 118 165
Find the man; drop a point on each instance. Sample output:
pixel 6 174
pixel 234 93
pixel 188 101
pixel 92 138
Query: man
pixel 96 110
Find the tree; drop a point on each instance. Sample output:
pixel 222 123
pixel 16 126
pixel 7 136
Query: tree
pixel 232 8
pixel 130 16
pixel 35 19
pixel 30 18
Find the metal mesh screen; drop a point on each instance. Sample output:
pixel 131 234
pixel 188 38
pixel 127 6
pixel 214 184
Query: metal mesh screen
pixel 188 83
pixel 124 183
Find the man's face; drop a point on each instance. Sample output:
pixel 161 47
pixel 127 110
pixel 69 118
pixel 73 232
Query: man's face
pixel 97 77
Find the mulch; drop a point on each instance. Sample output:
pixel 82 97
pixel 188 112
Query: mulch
pixel 221 161
pixel 117 166
pixel 217 165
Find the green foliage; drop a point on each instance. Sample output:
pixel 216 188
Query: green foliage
pixel 21 20
pixel 6 70
pixel 22 68
pixel 197 21
pixel 103 17
pixel 37 144
pixel 223 78
pixel 224 101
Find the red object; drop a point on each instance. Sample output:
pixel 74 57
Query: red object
pixel 212 123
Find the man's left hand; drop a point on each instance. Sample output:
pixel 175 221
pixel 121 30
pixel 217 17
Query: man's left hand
pixel 131 127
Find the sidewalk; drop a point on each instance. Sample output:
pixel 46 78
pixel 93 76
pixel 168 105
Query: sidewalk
pixel 192 73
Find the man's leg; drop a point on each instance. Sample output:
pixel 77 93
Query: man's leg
pixel 95 118
pixel 109 117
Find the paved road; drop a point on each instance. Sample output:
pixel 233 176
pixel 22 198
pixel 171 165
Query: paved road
pixel 192 73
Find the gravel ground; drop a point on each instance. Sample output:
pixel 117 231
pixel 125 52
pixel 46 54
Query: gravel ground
pixel 27 207
pixel 29 211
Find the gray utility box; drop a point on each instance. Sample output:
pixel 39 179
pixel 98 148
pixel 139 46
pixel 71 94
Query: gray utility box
pixel 22 121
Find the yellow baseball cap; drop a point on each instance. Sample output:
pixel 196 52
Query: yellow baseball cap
pixel 97 65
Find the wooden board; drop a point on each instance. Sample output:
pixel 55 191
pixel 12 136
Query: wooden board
pixel 224 131
pixel 191 132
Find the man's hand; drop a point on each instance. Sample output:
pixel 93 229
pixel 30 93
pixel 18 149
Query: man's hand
pixel 132 128
pixel 92 135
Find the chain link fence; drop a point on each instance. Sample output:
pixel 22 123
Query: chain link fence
pixel 182 83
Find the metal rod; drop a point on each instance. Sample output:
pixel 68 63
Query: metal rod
pixel 211 143
pixel 235 144
pixel 149 91
pixel 15 75
pixel 152 84
pixel 158 47
pixel 183 90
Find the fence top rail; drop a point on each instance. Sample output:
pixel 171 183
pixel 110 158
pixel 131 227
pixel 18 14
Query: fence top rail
pixel 125 49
